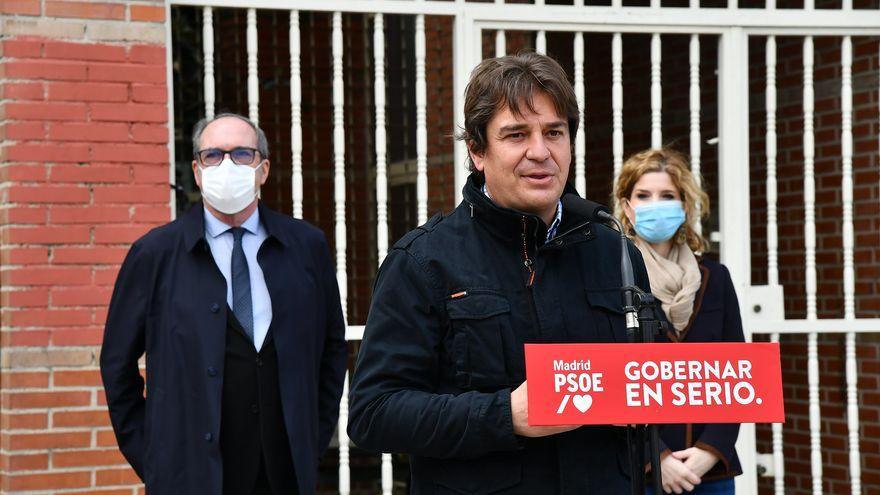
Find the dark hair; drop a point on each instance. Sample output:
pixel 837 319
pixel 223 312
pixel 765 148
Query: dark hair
pixel 508 82
pixel 199 128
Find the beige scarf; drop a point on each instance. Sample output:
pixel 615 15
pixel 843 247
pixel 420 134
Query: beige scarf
pixel 675 281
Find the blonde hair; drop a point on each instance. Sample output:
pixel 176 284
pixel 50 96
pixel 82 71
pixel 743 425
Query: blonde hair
pixel 677 166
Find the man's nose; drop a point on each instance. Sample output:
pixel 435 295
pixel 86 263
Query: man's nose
pixel 538 150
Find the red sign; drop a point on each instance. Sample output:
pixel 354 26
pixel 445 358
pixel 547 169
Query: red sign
pixel 580 384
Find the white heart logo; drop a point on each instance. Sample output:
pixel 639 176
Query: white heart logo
pixel 582 402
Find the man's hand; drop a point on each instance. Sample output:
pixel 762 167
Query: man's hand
pixel 677 476
pixel 699 461
pixel 519 411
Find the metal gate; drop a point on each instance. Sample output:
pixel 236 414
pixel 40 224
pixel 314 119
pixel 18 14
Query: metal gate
pixel 731 27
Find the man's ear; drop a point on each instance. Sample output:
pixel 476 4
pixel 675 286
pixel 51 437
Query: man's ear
pixel 476 157
pixel 196 174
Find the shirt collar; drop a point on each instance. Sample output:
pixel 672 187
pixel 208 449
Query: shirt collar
pixel 215 227
pixel 554 226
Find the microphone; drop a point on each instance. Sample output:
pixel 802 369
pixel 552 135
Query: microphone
pixel 596 212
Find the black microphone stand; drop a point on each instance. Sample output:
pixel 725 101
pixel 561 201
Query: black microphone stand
pixel 642 324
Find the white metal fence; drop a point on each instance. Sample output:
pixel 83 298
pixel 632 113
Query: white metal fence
pixel 733 26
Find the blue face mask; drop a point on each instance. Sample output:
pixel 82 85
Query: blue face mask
pixel 658 221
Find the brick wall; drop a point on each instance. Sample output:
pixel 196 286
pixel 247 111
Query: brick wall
pixel 84 172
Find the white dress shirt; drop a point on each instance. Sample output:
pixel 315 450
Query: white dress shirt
pixel 219 237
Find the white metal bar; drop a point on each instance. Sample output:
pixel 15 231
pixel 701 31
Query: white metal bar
pixel 253 81
pixel 541 42
pixel 656 93
pixel 339 162
pixel 169 83
pixel 208 50
pixel 296 145
pixel 387 474
pixel 831 326
pixel 617 102
pixel 381 138
pixel 421 123
pixel 500 43
pixel 463 48
pixel 778 458
pixel 340 239
pixel 849 309
pixel 580 137
pixel 810 248
pixel 344 441
pixel 770 146
pixel 695 135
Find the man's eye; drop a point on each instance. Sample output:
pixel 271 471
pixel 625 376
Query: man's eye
pixel 554 133
pixel 514 135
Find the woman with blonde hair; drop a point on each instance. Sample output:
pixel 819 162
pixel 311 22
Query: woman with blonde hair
pixel 660 203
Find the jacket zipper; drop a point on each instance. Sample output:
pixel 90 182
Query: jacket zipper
pixel 530 266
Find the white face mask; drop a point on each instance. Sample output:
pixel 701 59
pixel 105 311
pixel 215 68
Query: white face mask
pixel 228 187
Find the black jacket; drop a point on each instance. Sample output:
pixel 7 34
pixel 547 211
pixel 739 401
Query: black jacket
pixel 169 302
pixel 716 318
pixel 443 348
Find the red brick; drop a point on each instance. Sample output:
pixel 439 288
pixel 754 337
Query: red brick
pixel 131 194
pixel 149 133
pixel 28 462
pixel 51 70
pixel 88 255
pixel 47 317
pixel 24 7
pixel 23 91
pixel 22 214
pixel 120 234
pixel 90 173
pixel 85 10
pixel 22 48
pixel 74 234
pixel 151 214
pixel 129 112
pixel 24 421
pixel 31 298
pixel 76 378
pixel 84 51
pixel 91 296
pixel 77 336
pixel 151 174
pixel 38 400
pixel 66 276
pixel 45 481
pixel 124 476
pixel 25 131
pixel 105 438
pixel 25 338
pixel 148 54
pixel 23 173
pixel 88 132
pixel 25 379
pixel 25 256
pixel 133 153
pixel 105 276
pixel 127 72
pixel 47 152
pixel 47 194
pixel 89 215
pixel 90 91
pixel 87 458
pixel 148 93
pixel 147 13
pixel 46 111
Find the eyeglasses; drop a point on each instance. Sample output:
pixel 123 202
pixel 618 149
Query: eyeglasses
pixel 211 157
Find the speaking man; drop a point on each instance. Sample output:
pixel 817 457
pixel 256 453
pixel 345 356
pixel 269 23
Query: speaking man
pixel 237 309
pixel 441 371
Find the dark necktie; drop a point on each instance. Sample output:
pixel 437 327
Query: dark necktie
pixel 241 285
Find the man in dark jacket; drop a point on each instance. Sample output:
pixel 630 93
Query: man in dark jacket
pixel 237 309
pixel 441 373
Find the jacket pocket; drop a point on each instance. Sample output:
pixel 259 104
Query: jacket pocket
pixel 607 308
pixel 482 476
pixel 480 332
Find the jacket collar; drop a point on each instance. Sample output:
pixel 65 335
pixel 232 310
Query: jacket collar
pixel 508 223
pixel 193 223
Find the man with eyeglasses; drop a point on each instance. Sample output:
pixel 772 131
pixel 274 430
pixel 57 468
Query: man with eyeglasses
pixel 237 310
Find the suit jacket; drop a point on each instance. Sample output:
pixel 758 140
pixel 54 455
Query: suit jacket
pixel 170 303
pixel 715 318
